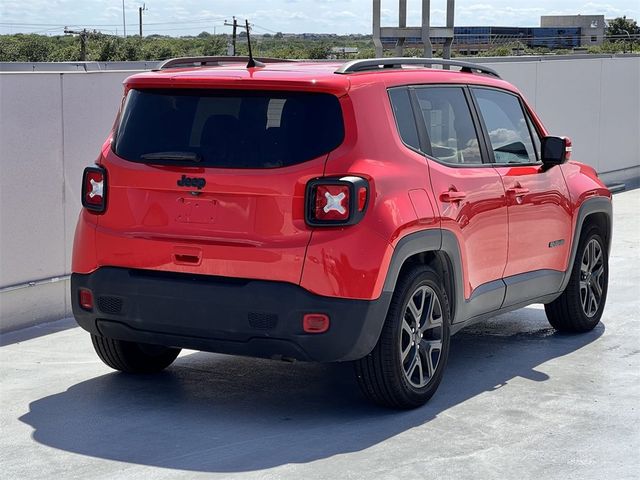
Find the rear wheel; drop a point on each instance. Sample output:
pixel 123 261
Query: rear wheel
pixel 406 365
pixel 580 306
pixel 133 357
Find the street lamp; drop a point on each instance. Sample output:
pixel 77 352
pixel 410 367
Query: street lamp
pixel 630 43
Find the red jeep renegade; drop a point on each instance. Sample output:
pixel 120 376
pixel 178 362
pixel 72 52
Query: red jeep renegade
pixel 362 212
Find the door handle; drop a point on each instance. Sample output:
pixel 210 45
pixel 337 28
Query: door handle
pixel 452 196
pixel 517 191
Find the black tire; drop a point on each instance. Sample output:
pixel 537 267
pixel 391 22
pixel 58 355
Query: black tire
pixel 382 374
pixel 567 313
pixel 131 357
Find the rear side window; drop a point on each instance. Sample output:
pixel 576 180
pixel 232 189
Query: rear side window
pixel 228 129
pixel 449 124
pixel 405 120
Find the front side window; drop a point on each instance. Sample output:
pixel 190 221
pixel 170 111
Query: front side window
pixel 507 126
pixel 535 135
pixel 449 125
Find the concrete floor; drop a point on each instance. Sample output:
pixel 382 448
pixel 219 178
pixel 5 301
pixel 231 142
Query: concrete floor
pixel 517 401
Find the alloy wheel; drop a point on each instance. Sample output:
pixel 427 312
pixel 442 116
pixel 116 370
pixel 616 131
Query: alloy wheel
pixel 591 277
pixel 421 336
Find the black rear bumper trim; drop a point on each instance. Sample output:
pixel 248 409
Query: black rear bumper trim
pixel 236 316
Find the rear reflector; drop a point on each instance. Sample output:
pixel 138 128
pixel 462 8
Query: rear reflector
pixel 85 298
pixel 94 189
pixel 315 323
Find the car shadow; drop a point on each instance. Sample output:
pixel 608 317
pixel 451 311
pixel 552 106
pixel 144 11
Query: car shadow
pixel 216 413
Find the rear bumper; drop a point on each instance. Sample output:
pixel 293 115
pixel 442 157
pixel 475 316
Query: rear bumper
pixel 219 314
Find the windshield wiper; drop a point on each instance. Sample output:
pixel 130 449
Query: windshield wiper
pixel 172 156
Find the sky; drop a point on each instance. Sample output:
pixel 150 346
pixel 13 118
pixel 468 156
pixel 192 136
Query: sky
pixel 190 17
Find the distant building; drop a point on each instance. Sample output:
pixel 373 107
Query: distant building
pixel 342 52
pixel 555 32
pixel 471 40
pixel 592 26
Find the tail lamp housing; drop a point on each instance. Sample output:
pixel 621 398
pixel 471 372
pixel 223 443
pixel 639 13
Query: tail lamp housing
pixel 94 189
pixel 336 201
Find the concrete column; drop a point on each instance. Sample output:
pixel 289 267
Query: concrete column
pixel 426 22
pixel 377 42
pixel 402 22
pixel 446 51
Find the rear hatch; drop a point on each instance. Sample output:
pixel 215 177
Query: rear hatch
pixel 212 181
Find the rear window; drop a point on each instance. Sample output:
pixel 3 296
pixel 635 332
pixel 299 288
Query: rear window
pixel 228 129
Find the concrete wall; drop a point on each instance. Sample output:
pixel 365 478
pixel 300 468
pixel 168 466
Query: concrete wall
pixel 595 101
pixel 52 125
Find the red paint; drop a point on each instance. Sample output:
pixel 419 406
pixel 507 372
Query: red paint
pixel 478 219
pixel 539 213
pixel 251 223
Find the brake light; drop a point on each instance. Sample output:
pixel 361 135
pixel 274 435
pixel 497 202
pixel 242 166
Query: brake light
pixel 336 201
pixel 94 189
pixel 332 202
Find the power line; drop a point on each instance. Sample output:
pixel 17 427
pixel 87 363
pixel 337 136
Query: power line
pixel 175 22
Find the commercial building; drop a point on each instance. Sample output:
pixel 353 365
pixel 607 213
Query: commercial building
pixel 592 27
pixel 554 32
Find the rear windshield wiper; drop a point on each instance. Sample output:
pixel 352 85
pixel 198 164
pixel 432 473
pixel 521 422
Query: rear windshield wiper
pixel 172 156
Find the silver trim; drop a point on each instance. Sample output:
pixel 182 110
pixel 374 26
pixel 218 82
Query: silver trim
pixel 187 62
pixel 373 64
pixel 35 283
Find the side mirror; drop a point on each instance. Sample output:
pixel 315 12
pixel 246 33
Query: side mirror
pixel 555 150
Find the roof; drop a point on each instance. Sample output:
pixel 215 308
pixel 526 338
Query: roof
pixel 303 76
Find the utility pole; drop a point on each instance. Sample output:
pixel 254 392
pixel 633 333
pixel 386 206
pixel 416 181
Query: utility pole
pixel 140 10
pixel 124 22
pixel 233 36
pixel 84 34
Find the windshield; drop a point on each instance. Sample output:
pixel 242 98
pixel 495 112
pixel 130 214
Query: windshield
pixel 228 129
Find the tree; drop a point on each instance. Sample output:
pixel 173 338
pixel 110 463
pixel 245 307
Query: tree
pixel 619 27
pixel 108 51
pixel 214 46
pixel 34 48
pixel 317 51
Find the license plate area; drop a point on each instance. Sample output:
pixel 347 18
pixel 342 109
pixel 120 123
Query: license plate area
pixel 196 210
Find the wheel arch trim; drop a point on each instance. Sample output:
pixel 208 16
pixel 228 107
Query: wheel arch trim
pixel 588 207
pixel 437 241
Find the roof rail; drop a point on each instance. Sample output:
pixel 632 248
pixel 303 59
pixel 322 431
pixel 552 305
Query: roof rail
pixel 381 63
pixel 186 62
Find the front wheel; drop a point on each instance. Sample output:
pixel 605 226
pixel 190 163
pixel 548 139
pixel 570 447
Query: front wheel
pixel 580 306
pixel 405 367
pixel 131 357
